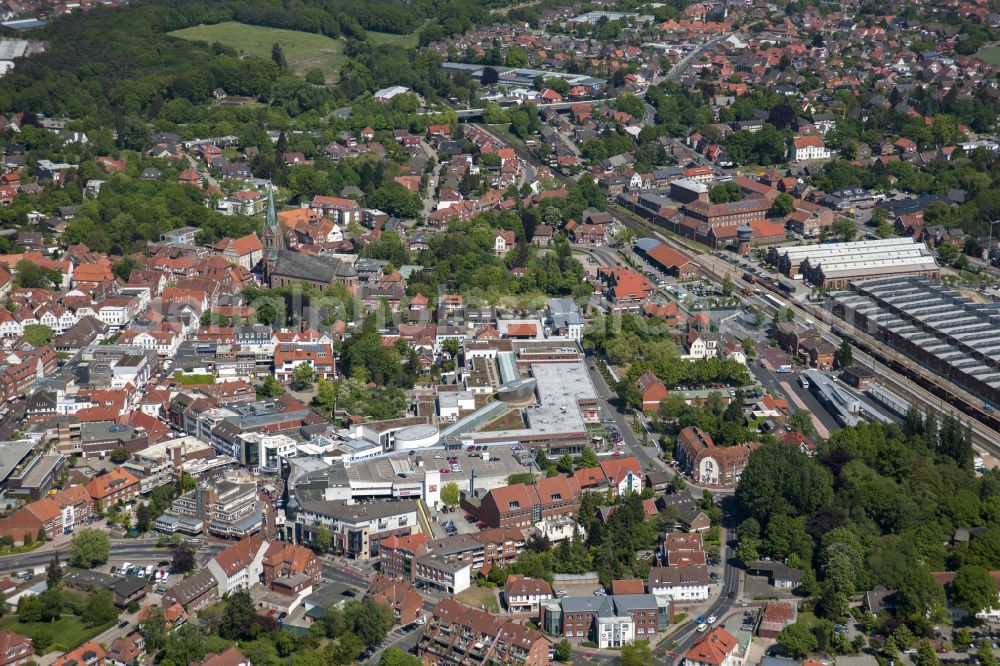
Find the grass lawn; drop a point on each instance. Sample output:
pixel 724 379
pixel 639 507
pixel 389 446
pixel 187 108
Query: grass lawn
pixel 477 597
pixel 509 421
pixel 68 631
pixel 990 55
pixel 187 380
pixel 503 131
pixel 303 50
pixel 408 41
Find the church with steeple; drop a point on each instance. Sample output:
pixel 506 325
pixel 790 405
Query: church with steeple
pixel 283 267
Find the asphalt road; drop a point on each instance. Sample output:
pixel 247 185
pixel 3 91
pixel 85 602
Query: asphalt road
pixel 121 550
pixel 730 590
pixel 645 454
pixel 772 383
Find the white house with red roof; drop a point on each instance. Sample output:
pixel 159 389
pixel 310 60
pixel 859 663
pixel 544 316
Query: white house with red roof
pixel 503 242
pixel 718 647
pixel 240 566
pixel 809 147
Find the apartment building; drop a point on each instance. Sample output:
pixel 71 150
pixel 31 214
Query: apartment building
pixel 53 515
pixel 240 566
pixel 680 583
pixel 357 528
pixel 523 505
pixel 457 634
pixel 160 463
pixel 523 595
pixel 405 602
pixel 283 559
pixel 117 485
pixel 606 619
pixel 223 508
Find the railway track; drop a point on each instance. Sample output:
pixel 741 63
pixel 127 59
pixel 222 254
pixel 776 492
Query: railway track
pixel 901 375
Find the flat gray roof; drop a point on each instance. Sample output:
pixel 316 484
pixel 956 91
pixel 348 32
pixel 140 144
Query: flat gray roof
pixel 11 454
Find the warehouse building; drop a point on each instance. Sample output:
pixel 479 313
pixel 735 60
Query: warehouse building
pixel 939 328
pixel 837 265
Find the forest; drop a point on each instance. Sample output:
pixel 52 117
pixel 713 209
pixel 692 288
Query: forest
pixel 876 505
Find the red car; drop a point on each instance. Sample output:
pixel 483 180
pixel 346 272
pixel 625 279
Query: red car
pixel 481 525
pixel 469 516
pixel 471 448
pixel 444 470
pixel 616 454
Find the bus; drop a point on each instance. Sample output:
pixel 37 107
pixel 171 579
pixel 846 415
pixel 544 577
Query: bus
pixel 803 381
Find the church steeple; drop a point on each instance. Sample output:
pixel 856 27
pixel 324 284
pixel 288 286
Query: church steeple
pixel 272 240
pixel 272 232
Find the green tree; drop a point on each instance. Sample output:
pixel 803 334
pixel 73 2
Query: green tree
pixel 123 268
pixel 270 388
pixel 52 605
pixel 450 494
pixel 798 640
pixel 315 76
pixel 725 193
pixel 326 395
pixel 369 620
pixel 779 480
pixel 119 454
pixel 746 551
pixel 54 573
pixel 395 657
pixel 144 518
pixel 844 228
pixel 801 421
pixel 973 590
pixel 346 648
pixel 33 276
pixel 636 653
pixel 984 653
pixel 845 355
pixel 89 547
pixel 239 615
pixel 37 335
pixel 842 560
pixel 302 377
pixel 926 656
pixel 29 609
pixel 563 651
pixel 587 459
pixel 278 56
pixel 42 638
pixel 517 57
pixel 183 560
pixel 322 539
pixel 783 205
pixel 100 609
